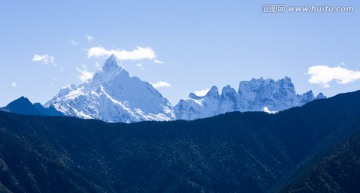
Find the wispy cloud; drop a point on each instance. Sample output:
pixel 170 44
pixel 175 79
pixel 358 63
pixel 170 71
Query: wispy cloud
pixel 202 92
pixel 74 43
pixel 324 75
pixel 52 82
pixel 13 84
pixel 156 61
pixel 89 38
pixel 140 53
pixel 161 84
pixel 140 66
pixel 45 58
pixel 85 75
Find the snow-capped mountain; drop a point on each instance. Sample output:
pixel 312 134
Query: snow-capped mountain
pixel 254 95
pixel 113 96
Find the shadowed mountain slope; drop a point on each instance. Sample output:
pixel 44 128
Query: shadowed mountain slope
pixel 234 152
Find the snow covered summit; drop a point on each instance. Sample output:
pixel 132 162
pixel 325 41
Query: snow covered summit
pixel 255 95
pixel 113 96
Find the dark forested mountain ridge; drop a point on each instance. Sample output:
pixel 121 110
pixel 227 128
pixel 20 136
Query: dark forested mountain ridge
pixel 23 106
pixel 235 152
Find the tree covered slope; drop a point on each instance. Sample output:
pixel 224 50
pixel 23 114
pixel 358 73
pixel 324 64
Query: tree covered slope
pixel 234 152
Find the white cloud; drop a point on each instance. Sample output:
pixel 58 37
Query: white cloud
pixel 267 110
pixel 13 84
pixel 139 53
pixel 323 75
pixel 84 73
pixel 74 43
pixel 89 38
pixel 161 84
pixel 45 58
pixel 202 92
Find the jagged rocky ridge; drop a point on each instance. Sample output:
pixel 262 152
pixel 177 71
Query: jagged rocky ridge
pixel 254 95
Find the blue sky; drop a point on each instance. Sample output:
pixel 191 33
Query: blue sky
pixel 199 44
